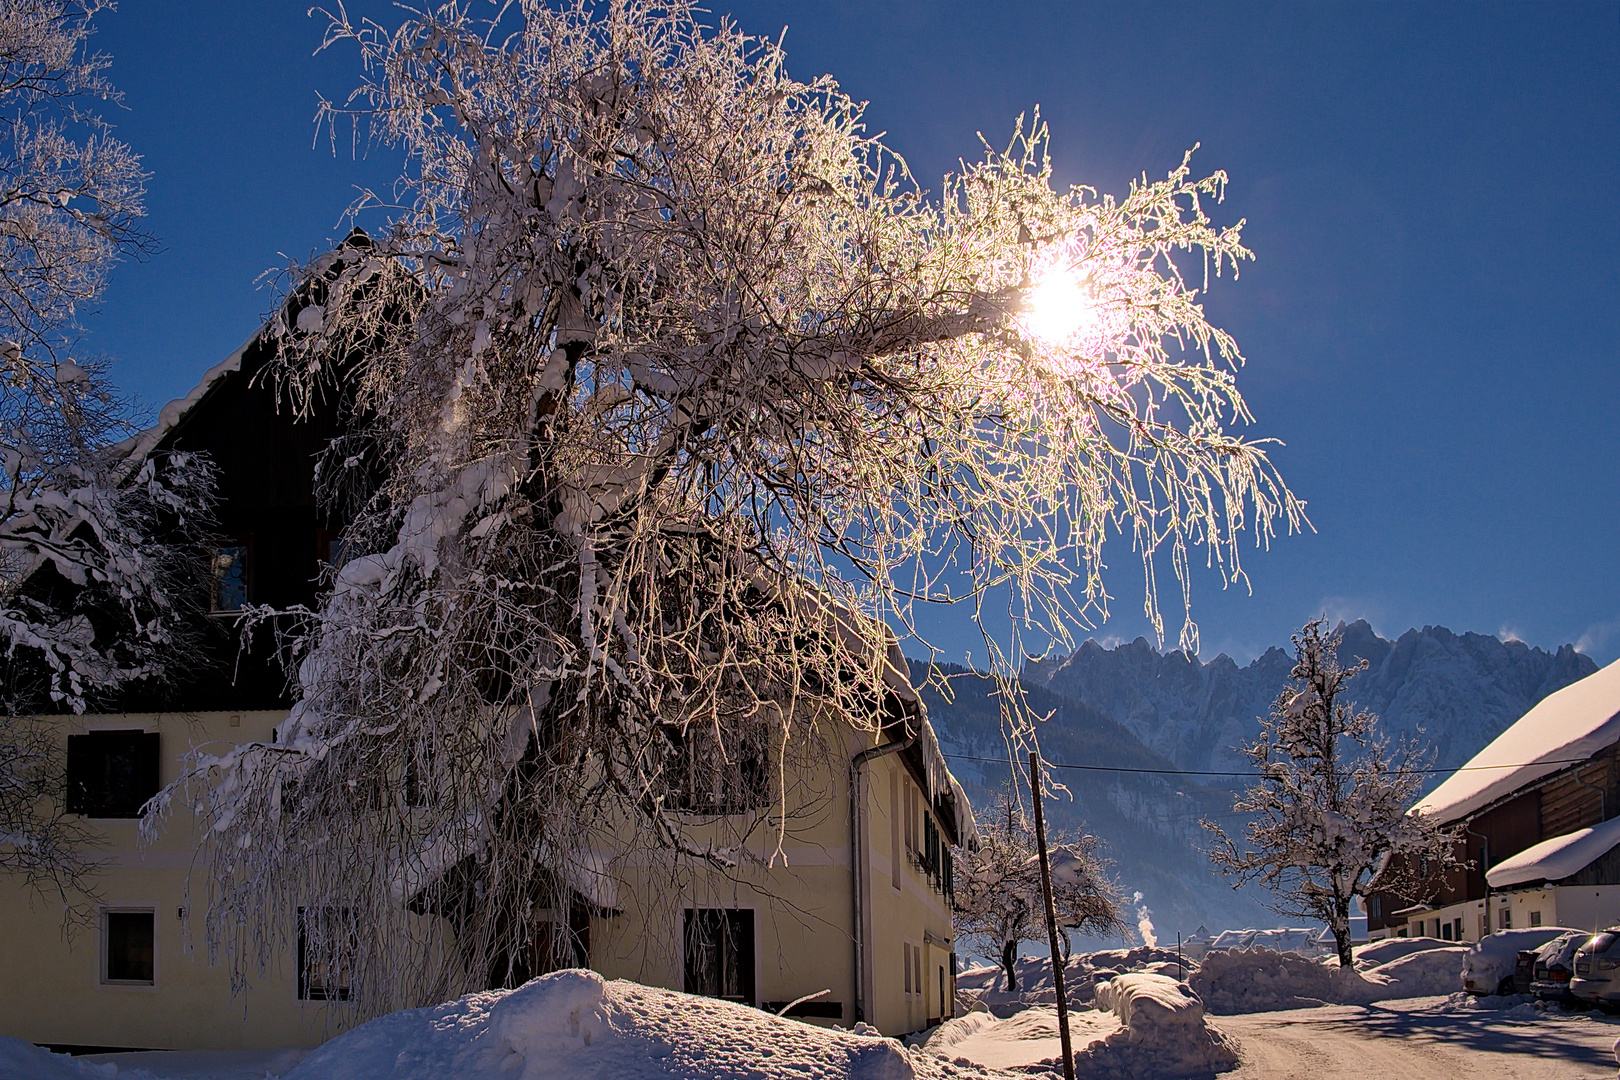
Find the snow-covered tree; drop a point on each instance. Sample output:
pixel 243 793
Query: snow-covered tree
pixel 95 549
pixel 1329 811
pixel 998 901
pixel 679 393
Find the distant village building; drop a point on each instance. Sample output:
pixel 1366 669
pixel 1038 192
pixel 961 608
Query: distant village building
pixel 857 917
pixel 1539 810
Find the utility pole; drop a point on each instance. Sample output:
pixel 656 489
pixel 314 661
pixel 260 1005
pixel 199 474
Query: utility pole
pixel 1051 917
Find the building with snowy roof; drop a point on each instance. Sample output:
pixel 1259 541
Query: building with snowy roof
pixel 1538 814
pixel 848 905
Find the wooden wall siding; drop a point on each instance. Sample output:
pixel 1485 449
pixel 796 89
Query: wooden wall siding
pixel 1605 870
pixel 1567 805
pixel 266 469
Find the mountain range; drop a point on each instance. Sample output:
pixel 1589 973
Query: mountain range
pixel 1134 716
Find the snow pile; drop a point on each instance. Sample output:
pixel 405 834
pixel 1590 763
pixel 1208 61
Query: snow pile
pixel 1382 952
pixel 24 1059
pixel 1027 1040
pixel 572 1024
pixel 1419 974
pixel 1259 980
pixel 1161 1033
pixel 987 986
pixel 1559 857
pixel 1145 1025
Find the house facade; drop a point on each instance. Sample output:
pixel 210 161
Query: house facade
pixel 845 902
pixel 1537 811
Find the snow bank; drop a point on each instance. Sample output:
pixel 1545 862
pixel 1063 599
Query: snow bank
pixel 1565 727
pixel 1162 1031
pixel 1259 980
pixel 572 1024
pixel 987 986
pixel 1146 1026
pixel 1556 858
pixel 1028 1040
pixel 25 1061
pixel 1419 974
pixel 1382 952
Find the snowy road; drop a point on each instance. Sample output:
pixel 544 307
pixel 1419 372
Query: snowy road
pixel 1420 1039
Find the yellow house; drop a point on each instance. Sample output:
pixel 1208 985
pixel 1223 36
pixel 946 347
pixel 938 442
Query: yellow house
pixel 845 901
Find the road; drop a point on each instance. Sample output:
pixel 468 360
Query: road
pixel 1421 1039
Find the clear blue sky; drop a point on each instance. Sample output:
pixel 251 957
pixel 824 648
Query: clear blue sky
pixel 1431 321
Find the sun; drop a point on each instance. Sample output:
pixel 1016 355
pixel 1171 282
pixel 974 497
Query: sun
pixel 1060 307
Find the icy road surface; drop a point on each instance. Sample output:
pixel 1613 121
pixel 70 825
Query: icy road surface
pixel 1421 1039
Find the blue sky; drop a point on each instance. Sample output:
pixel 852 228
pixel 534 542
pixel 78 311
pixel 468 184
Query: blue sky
pixel 1431 321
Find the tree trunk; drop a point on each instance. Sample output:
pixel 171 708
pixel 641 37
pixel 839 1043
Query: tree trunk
pixel 1341 933
pixel 1009 961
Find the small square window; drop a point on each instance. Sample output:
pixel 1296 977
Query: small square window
pixel 126 948
pixel 1535 918
pixel 111 774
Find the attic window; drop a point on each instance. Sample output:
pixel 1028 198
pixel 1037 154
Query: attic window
pixel 229 574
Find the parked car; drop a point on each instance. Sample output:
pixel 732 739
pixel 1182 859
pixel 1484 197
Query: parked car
pixel 1489 966
pixel 1597 969
pixel 1555 966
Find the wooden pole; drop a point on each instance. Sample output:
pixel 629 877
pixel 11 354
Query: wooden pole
pixel 1051 917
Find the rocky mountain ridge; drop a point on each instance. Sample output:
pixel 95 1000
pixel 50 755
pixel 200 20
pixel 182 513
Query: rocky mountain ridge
pixel 1132 715
pixel 1454 692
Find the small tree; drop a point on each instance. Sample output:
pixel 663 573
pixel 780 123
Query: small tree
pixel 1330 809
pixel 998 890
pixel 95 547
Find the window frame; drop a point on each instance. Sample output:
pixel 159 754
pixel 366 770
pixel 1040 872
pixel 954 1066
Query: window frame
pixel 147 747
pixel 236 540
pixel 306 991
pixel 103 980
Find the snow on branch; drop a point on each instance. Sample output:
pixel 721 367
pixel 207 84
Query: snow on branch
pixel 677 392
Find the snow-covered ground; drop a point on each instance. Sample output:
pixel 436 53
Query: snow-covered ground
pixel 1428 1038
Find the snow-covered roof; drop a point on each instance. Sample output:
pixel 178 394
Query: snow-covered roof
pixel 1564 728
pixel 1557 858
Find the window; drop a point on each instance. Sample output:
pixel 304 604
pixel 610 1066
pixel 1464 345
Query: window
pixel 111 774
pixel 1457 929
pixel 327 939
pixel 905 960
pixel 1484 926
pixel 126 947
pixel 1375 907
pixel 1504 919
pixel 896 778
pixel 329 547
pixel 229 573
pixel 1445 932
pixel 707 774
pixel 719 953
pixel 1535 918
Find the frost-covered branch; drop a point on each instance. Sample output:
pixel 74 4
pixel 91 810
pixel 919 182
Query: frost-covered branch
pixel 677 393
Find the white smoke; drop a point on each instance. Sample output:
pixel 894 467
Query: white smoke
pixel 1144 921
